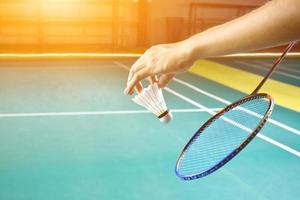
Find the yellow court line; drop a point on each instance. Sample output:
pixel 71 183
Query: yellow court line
pixel 285 95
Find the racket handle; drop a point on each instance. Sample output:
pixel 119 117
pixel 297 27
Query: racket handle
pixel 277 62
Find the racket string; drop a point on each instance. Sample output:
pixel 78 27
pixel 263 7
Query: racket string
pixel 223 136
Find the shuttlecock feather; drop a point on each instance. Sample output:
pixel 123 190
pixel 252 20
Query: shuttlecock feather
pixel 153 100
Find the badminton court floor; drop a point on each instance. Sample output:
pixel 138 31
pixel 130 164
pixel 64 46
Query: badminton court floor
pixel 68 132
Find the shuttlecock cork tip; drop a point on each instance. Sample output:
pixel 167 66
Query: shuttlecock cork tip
pixel 166 117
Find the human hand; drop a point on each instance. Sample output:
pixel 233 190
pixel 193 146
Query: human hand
pixel 160 63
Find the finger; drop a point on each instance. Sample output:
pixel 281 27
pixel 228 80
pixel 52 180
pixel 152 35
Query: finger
pixel 131 72
pixel 139 87
pixel 165 79
pixel 137 77
pixel 138 65
pixel 152 79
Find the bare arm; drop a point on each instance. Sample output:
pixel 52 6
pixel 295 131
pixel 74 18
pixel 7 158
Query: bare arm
pixel 275 23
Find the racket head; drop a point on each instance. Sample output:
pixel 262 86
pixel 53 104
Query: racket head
pixel 195 159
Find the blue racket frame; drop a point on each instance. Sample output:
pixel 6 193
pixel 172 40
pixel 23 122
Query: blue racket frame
pixel 235 151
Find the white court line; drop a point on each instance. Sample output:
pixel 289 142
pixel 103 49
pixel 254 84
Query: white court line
pixel 117 112
pixel 263 137
pixel 272 121
pixel 267 65
pixel 122 65
pixel 264 69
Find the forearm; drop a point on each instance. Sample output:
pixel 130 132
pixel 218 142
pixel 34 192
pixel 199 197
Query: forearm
pixel 275 23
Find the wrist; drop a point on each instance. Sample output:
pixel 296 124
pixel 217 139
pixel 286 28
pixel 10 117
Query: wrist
pixel 190 52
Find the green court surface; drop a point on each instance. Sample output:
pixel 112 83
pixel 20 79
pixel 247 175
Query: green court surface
pixel 68 132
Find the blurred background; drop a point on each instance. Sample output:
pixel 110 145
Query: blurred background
pixel 67 131
pixel 109 25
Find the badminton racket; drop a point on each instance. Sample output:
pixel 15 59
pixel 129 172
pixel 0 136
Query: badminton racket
pixel 225 134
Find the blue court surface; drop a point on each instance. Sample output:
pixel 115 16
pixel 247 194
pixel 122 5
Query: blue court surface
pixel 68 132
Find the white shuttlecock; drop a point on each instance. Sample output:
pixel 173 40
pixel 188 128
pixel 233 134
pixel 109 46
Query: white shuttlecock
pixel 153 100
